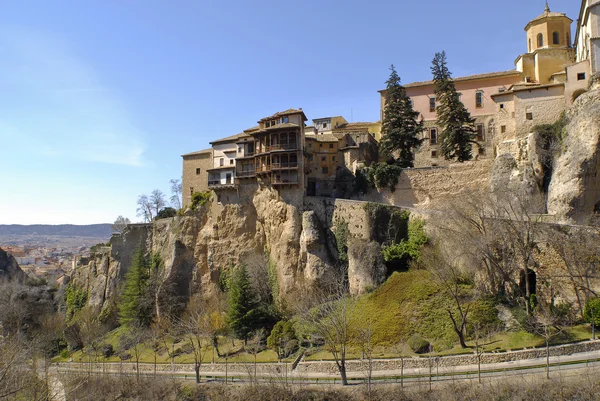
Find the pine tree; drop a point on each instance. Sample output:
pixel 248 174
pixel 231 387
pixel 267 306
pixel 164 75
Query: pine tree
pixel 135 305
pixel 242 312
pixel 400 129
pixel 458 134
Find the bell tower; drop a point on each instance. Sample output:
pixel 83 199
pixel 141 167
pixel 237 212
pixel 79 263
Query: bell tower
pixel 549 30
pixel 549 48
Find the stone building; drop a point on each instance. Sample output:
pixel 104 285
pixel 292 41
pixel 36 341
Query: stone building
pixel 195 173
pixel 587 38
pixel 506 105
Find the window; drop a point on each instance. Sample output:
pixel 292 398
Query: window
pixel 331 146
pixel 197 171
pixel 191 190
pixel 221 162
pixel 434 153
pixel 310 145
pixel 580 76
pixel 228 178
pixel 479 99
pixel 267 124
pixel 555 38
pixel 433 136
pixel 325 170
pixel 324 125
pixel 480 132
pixel 432 104
pixel 240 149
pixel 309 158
pixel 332 158
pixel 529 46
pixel 503 129
pixel 231 161
pixel 540 40
pixel 286 120
pixel 323 158
pixel 529 116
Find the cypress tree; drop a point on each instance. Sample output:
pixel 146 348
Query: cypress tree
pixel 400 129
pixel 135 305
pixel 242 312
pixel 458 134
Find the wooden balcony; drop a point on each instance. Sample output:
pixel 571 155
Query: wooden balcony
pixel 284 166
pixel 245 174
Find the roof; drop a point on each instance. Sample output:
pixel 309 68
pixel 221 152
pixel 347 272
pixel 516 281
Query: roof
pixel 231 138
pixel 466 78
pixel 199 152
pixel 284 113
pixel 547 14
pixel 284 125
pixel 255 128
pixel 326 118
pixel 322 137
pixel 527 88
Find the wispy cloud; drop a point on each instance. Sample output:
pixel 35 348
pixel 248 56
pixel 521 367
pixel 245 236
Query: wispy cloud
pixel 58 104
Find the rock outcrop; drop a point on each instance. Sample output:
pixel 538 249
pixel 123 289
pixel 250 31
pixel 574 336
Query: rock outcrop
pixel 574 192
pixel 9 268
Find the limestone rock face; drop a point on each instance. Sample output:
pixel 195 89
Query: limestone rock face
pixel 366 268
pixel 574 191
pixel 9 268
pixel 510 176
pixel 315 254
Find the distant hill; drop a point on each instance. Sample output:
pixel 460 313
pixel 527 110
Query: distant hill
pixel 64 230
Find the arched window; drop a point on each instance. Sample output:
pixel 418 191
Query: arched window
pixel 556 38
pixel 530 45
pixel 540 39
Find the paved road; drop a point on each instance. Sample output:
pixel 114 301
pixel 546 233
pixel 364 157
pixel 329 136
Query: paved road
pixel 568 363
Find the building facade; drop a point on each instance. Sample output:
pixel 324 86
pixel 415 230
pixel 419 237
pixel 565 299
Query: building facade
pixel 195 174
pixel 587 38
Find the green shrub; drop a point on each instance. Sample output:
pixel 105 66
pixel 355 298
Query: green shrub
pixel 382 175
pixel 200 199
pixel 342 233
pixel 418 344
pixel 75 299
pixel 166 213
pixel 107 350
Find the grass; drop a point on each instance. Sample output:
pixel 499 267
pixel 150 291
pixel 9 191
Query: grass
pixel 407 303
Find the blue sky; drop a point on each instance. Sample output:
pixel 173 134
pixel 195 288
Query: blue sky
pixel 98 99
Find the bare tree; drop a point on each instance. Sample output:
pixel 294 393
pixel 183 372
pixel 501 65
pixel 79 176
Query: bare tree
pixel 451 279
pixel 175 193
pixel 196 323
pixel 120 224
pixel 157 201
pixel 365 337
pixel 331 321
pixel 548 328
pixel 144 209
pixel 255 346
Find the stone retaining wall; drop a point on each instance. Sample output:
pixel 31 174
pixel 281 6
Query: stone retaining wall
pixel 329 367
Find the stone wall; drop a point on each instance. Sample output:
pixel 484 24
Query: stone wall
pixel 352 366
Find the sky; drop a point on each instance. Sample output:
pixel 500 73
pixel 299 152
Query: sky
pixel 99 99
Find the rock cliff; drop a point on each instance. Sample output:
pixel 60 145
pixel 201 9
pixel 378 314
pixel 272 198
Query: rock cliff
pixel 574 192
pixel 9 268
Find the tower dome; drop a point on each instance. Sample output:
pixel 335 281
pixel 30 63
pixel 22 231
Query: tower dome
pixel 549 30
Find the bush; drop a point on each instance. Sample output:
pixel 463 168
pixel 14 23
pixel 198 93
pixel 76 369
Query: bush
pixel 200 199
pixel 166 213
pixel 382 175
pixel 418 344
pixel 108 350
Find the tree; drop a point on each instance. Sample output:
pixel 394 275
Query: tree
pixel 157 201
pixel 144 209
pixel 452 281
pixel 136 304
pixel 400 129
pixel 120 224
pixel 242 304
pixel 282 338
pixel 591 313
pixel 458 134
pixel 175 193
pixel 196 324
pixel 331 321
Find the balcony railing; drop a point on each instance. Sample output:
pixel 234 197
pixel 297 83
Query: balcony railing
pixel 218 183
pixel 285 146
pixel 245 173
pixel 284 181
pixel 263 169
pixel 280 166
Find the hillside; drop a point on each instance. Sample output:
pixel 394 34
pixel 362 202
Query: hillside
pixel 64 230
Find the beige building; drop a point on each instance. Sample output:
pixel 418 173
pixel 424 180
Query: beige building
pixel 195 173
pixel 587 38
pixel 508 104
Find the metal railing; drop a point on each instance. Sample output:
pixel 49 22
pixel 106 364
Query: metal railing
pixel 275 166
